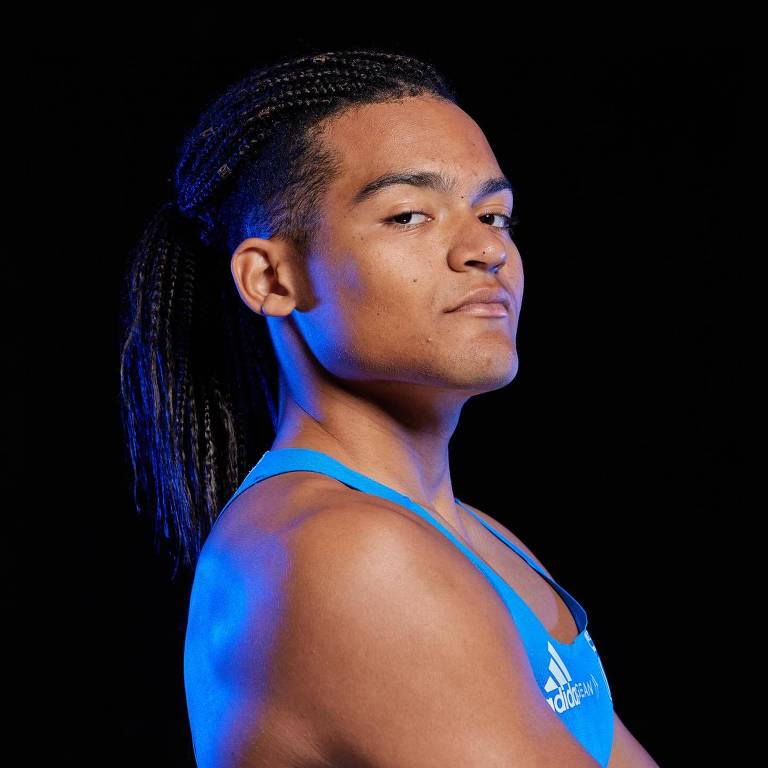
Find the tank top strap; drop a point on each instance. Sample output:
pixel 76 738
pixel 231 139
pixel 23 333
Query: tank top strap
pixel 282 460
pixel 499 535
pixel 577 609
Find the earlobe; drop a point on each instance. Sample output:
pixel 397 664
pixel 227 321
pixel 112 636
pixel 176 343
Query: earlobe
pixel 251 269
pixel 262 277
pixel 276 306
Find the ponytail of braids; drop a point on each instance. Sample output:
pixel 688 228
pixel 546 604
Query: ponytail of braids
pixel 198 372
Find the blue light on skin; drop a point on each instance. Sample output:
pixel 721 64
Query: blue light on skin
pixel 226 652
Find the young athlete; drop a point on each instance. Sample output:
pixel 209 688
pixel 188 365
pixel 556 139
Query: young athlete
pixel 339 252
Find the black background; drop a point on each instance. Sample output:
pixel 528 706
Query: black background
pixel 610 448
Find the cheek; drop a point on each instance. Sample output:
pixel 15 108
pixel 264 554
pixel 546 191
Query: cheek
pixel 389 282
pixel 375 295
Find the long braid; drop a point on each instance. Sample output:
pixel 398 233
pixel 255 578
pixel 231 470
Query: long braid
pixel 197 366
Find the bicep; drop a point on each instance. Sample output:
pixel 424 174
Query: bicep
pixel 406 661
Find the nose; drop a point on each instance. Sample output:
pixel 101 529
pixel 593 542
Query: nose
pixel 487 250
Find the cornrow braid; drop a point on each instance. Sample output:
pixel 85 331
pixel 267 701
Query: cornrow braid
pixel 241 120
pixel 197 366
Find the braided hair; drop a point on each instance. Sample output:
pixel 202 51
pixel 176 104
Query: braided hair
pixel 197 365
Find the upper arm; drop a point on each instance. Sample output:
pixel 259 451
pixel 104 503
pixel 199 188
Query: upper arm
pixel 402 659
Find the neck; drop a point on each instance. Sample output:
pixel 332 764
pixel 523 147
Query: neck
pixel 398 438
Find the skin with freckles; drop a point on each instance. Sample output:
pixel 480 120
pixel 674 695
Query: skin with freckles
pixel 374 371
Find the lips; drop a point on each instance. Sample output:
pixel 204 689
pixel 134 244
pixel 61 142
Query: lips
pixel 483 309
pixel 486 295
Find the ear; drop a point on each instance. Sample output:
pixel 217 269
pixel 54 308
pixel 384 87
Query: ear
pixel 264 273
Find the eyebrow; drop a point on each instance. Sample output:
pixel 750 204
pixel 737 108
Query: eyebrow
pixel 428 180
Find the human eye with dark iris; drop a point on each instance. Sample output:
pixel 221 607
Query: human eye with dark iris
pixel 391 220
pixel 512 221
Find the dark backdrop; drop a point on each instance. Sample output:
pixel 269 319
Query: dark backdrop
pixel 609 464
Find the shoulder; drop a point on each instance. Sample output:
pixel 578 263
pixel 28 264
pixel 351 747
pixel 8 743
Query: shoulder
pixel 353 621
pixel 257 584
pixel 282 555
pixel 279 553
pixel 511 536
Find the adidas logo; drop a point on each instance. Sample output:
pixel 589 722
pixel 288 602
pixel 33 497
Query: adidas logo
pixel 569 694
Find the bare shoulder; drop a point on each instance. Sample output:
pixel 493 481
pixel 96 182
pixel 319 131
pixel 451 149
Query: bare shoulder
pixel 275 501
pixel 236 695
pixel 397 655
pixel 356 636
pixel 515 539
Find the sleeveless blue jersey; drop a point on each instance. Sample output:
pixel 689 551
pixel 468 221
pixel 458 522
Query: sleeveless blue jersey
pixel 570 676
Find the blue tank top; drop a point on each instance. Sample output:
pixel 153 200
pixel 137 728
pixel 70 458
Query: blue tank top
pixel 570 676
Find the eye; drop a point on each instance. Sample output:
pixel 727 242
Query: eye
pixel 391 220
pixel 512 221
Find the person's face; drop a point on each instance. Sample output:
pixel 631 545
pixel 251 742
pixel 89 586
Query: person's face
pixel 380 292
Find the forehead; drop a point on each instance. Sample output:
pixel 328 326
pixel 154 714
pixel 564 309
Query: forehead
pixel 417 132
